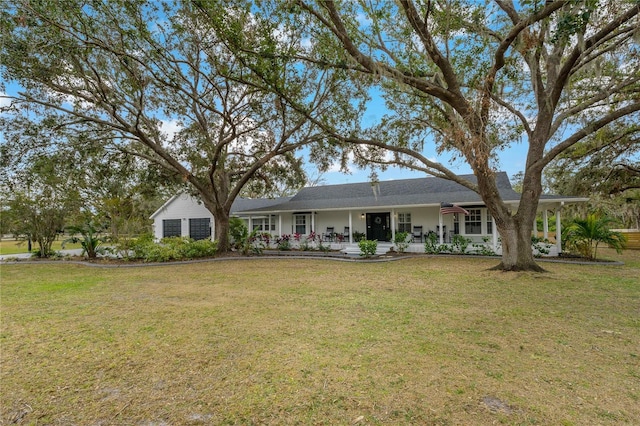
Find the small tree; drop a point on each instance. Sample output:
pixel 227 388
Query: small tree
pixel 39 219
pixel 584 235
pixel 40 197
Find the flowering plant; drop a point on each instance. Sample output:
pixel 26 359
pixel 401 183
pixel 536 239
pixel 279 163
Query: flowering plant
pixel 284 242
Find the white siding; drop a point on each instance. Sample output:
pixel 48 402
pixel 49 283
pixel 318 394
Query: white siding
pixel 183 207
pixel 338 220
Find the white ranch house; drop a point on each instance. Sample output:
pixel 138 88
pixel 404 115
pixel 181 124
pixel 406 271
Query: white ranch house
pixel 339 212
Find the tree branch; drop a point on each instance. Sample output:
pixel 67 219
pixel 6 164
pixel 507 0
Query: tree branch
pixel 576 54
pixel 585 131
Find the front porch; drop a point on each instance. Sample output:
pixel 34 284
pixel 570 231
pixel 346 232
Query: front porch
pixel 475 233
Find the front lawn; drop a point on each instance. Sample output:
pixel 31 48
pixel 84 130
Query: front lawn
pixel 424 340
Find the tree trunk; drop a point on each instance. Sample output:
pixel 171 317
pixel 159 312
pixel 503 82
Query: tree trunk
pixel 517 254
pixel 221 220
pixel 515 230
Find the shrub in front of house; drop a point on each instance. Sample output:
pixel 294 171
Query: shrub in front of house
pixel 198 249
pixel 259 241
pixel 540 246
pixel 368 247
pixel 239 234
pixel 484 248
pixel 431 245
pixel 583 236
pixel 284 242
pixel 460 244
pixel 401 241
pixel 358 236
pixel 172 248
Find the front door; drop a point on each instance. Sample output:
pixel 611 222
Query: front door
pixel 379 226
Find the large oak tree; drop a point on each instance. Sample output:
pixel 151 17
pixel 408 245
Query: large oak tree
pixel 123 72
pixel 474 77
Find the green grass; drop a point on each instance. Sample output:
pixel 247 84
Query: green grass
pixel 17 247
pixel 420 341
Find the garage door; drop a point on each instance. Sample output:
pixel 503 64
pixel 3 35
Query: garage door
pixel 200 229
pixel 171 228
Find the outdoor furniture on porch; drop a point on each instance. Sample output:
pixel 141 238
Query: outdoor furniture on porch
pixel 345 234
pixel 417 233
pixel 329 235
pixel 444 233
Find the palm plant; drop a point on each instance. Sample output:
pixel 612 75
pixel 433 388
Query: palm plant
pixel 89 239
pixel 584 235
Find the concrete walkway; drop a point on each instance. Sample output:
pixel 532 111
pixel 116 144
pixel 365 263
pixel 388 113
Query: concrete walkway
pixel 22 256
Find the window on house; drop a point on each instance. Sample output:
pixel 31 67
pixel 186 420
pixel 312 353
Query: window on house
pixel 473 222
pixel 300 224
pixel 200 229
pixel 404 222
pixel 264 224
pixel 456 224
pixel 171 228
pixel 489 223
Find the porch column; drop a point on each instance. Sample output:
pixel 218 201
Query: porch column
pixel 250 224
pixel 440 224
pixel 280 224
pixel 558 229
pixel 545 224
pixel 350 227
pixel 494 234
pixel 393 225
pixel 313 221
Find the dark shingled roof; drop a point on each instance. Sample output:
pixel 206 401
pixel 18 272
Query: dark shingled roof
pixel 403 192
pixel 241 204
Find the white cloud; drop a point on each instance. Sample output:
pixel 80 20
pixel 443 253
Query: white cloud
pixel 170 127
pixel 4 100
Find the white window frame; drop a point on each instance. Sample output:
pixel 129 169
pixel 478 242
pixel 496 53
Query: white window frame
pixel 404 222
pixel 295 225
pixel 475 214
pixel 264 223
